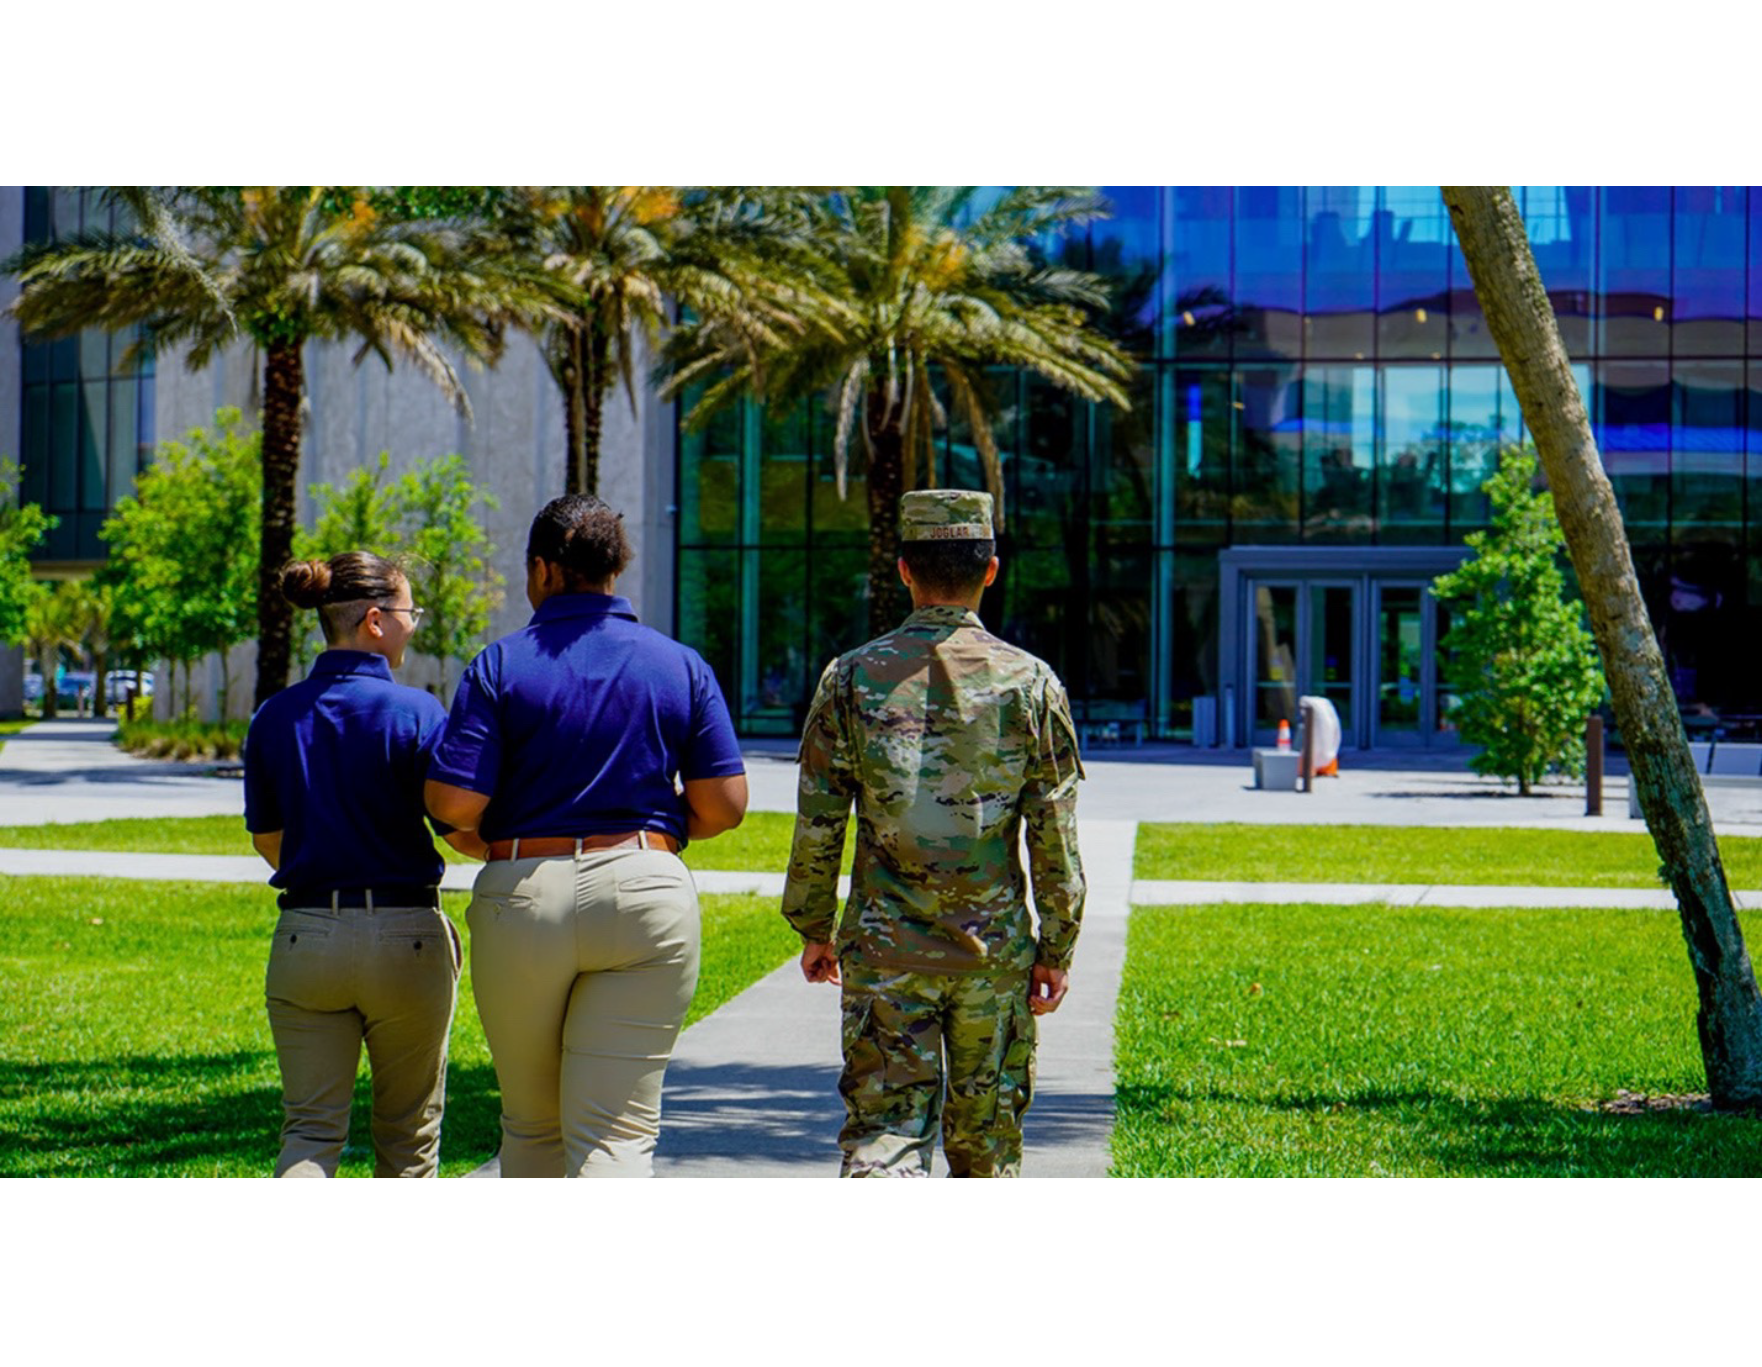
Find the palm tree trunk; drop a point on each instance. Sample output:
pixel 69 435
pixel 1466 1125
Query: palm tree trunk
pixel 888 600
pixel 1522 322
pixel 569 379
pixel 283 377
pixel 595 385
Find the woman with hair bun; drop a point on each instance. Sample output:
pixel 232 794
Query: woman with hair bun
pixel 587 749
pixel 334 767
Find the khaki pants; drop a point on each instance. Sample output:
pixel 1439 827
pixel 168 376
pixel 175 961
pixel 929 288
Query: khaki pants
pixel 928 1054
pixel 385 976
pixel 583 967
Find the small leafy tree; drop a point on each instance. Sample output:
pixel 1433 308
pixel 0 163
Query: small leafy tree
pixel 1524 664
pixel 446 554
pixel 22 526
pixel 426 521
pixel 183 548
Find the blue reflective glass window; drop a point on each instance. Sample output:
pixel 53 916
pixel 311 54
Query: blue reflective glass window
pixel 783 470
pixel 1199 312
pixel 1269 271
pixel 1634 436
pixel 1470 338
pixel 1339 426
pixel 1412 461
pixel 36 213
pixel 1413 236
pixel 1200 412
pixel 34 476
pixel 1339 278
pixel 1484 419
pixel 1122 486
pixel 1265 482
pixel 1709 246
pixel 709 458
pixel 1754 290
pixel 93 441
pixel 1126 251
pixel 1051 471
pixel 1707 456
pixel 1562 224
pixel 1634 270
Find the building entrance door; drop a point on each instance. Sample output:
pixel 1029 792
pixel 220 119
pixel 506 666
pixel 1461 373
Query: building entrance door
pixel 1302 639
pixel 1412 704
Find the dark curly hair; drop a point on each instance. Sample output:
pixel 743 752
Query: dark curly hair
pixel 341 588
pixel 583 535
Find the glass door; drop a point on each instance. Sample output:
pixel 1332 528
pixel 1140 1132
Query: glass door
pixel 1406 651
pixel 1303 639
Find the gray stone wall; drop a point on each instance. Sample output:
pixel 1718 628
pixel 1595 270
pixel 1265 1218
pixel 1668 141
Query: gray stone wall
pixel 513 443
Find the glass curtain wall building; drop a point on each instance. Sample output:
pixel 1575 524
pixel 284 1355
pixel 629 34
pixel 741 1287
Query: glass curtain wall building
pixel 1317 404
pixel 88 421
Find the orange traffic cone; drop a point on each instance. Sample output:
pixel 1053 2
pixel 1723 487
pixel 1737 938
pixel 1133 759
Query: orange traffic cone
pixel 1284 734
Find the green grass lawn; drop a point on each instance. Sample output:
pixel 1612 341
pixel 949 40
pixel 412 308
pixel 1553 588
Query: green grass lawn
pixel 1262 1041
pixel 133 1040
pixel 759 844
pixel 1506 856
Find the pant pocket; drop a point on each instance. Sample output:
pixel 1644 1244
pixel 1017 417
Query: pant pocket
pixel 301 957
pixel 1015 1076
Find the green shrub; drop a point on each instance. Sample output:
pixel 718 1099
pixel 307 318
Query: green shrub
pixel 183 739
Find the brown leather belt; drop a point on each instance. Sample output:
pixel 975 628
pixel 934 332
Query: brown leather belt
pixel 549 846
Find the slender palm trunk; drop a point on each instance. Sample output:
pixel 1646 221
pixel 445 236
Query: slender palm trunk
pixel 888 600
pixel 1522 322
pixel 283 377
pixel 569 379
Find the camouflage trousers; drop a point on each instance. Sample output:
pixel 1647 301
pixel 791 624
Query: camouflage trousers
pixel 926 1052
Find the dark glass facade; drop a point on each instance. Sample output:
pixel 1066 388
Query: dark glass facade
pixel 88 422
pixel 1317 405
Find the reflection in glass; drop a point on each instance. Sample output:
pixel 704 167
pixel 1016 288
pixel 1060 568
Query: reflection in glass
pixel 1339 298
pixel 1634 436
pixel 1201 414
pixel 1339 453
pixel 1634 274
pixel 1268 294
pixel 1265 483
pixel 1197 317
pixel 1707 462
pixel 1412 231
pixel 1399 662
pixel 1413 462
pixel 1707 285
pixel 1484 419
pixel 1275 656
pixel 1332 634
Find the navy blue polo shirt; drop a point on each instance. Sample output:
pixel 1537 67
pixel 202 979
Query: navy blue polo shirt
pixel 577 724
pixel 336 763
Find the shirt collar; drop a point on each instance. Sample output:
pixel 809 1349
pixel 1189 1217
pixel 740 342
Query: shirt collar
pixel 562 605
pixel 334 664
pixel 943 615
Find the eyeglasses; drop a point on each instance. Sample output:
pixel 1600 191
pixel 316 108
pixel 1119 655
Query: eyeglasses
pixel 415 613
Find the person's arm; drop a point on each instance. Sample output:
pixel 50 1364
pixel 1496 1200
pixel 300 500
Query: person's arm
pixel 822 811
pixel 454 806
pixel 268 844
pixel 714 805
pixel 1049 823
pixel 468 843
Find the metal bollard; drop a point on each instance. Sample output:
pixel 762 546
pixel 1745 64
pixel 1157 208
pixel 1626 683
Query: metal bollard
pixel 1594 766
pixel 1306 766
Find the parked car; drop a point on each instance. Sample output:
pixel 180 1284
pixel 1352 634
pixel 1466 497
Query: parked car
pixel 33 688
pixel 118 681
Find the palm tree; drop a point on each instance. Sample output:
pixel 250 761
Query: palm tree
pixel 280 265
pixel 901 283
pixel 614 260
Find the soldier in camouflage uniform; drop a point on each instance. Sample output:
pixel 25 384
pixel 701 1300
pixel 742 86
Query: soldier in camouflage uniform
pixel 950 742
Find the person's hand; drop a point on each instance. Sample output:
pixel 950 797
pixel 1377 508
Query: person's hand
pixel 818 963
pixel 1046 988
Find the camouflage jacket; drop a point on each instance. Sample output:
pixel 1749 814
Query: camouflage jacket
pixel 950 742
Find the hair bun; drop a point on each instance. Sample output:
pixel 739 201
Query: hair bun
pixel 304 583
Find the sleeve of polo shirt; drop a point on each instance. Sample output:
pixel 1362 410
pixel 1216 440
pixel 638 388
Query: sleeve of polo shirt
pixel 431 725
pixel 469 752
pixel 712 749
pixel 262 811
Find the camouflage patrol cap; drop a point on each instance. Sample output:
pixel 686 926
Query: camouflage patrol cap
pixel 945 515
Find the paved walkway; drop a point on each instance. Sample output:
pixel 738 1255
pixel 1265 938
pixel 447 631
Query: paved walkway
pixel 751 1090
